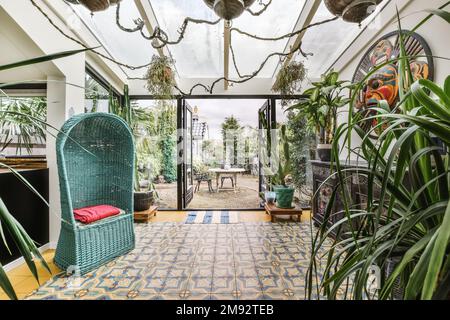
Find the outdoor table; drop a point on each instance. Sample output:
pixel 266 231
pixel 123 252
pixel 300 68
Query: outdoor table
pixel 232 171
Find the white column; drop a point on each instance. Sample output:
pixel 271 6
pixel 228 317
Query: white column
pixel 64 99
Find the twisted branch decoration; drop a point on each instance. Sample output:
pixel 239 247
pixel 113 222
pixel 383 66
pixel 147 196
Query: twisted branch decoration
pixel 162 37
pixel 260 12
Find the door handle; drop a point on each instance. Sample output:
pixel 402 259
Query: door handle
pixel 180 154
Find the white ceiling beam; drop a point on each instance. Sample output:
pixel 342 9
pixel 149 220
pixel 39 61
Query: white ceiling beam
pixel 305 18
pixel 148 15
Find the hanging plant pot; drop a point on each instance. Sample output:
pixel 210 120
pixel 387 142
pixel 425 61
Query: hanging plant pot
pixel 160 77
pixel 229 9
pixel 354 11
pixel 95 5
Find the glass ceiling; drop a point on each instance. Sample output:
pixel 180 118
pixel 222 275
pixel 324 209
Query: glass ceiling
pixel 129 48
pixel 200 53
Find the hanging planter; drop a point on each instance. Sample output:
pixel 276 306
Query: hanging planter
pixel 229 9
pixel 160 77
pixel 289 79
pixel 95 5
pixel 354 11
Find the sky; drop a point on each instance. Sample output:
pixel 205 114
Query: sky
pixel 214 112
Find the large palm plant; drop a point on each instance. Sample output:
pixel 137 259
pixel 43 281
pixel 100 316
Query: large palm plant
pixel 19 122
pixel 405 222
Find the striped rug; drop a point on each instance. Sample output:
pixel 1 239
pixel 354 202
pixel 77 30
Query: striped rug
pixel 212 217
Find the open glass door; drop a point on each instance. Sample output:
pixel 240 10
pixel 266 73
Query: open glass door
pixel 267 122
pixel 186 154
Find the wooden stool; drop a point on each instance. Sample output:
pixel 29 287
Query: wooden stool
pixel 274 211
pixel 144 216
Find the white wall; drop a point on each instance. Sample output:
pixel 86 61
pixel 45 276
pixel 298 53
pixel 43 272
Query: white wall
pixel 28 28
pixel 435 32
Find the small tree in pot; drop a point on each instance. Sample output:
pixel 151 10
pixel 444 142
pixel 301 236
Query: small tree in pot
pixel 320 109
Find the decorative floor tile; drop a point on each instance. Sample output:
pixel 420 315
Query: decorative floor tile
pixel 248 284
pixel 284 294
pixel 182 262
pixel 271 283
pixel 200 284
pixel 224 270
pixel 223 284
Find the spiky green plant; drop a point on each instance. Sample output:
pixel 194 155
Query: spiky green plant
pixel 405 221
pixel 18 123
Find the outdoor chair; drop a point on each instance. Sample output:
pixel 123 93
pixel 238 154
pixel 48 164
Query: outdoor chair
pixel 199 178
pixel 95 154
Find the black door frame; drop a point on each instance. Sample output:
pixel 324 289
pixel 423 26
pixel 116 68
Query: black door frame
pixel 180 99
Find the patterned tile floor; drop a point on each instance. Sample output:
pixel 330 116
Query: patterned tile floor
pixel 181 261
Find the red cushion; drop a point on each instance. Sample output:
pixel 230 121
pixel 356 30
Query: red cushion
pixel 94 213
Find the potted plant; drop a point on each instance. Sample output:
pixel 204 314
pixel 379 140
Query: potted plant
pixel 160 77
pixel 281 181
pixel 320 109
pixel 289 79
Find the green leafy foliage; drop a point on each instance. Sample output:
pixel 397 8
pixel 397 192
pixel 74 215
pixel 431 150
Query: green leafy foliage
pixel 321 105
pixel 231 129
pixel 302 145
pixel 289 79
pixel 405 220
pixel 160 77
pixel 17 122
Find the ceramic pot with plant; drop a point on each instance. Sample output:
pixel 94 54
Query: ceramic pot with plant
pixel 281 181
pixel 320 109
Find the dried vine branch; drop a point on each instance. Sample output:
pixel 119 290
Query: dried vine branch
pixel 158 33
pixel 260 12
pixel 161 36
pixel 285 36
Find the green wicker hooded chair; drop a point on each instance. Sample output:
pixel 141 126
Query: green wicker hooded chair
pixel 95 154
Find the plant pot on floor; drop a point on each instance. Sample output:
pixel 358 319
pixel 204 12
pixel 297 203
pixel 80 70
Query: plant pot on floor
pixel 143 200
pixel 324 152
pixel 284 196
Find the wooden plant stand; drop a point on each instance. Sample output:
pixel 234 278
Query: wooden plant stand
pixel 144 216
pixel 273 211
